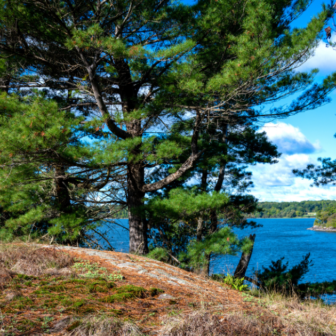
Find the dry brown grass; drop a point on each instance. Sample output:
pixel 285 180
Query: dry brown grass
pixel 206 324
pixel 272 314
pixel 103 326
pixel 32 260
pixel 233 313
pixel 306 318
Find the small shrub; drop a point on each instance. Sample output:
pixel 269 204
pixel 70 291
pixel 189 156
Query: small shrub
pixel 235 283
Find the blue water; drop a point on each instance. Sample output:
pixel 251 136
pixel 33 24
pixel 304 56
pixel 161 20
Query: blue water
pixel 277 238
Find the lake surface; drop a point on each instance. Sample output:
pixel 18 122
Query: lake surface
pixel 277 238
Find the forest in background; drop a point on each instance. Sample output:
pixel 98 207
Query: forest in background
pixel 291 209
pixel 277 209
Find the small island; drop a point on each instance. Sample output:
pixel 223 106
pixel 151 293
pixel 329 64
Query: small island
pixel 325 220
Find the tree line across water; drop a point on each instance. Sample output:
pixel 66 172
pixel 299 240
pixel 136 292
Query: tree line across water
pixel 309 209
pixel 291 209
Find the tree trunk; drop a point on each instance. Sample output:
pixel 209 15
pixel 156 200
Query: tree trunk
pixel 137 226
pixel 199 230
pixel 204 270
pixel 244 261
pixel 62 192
pixel 206 267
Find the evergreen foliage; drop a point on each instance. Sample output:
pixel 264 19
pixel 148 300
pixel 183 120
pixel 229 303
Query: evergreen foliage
pixel 325 173
pixel 188 222
pixel 277 277
pixel 36 135
pixel 138 96
pixel 321 175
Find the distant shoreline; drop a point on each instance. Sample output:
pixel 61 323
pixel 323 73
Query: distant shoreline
pixel 281 218
pixel 323 229
pixel 259 218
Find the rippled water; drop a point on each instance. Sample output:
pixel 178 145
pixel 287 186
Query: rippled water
pixel 277 238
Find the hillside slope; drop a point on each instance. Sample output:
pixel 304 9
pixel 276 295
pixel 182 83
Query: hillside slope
pixel 48 290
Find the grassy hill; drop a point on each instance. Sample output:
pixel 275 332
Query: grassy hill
pixel 74 291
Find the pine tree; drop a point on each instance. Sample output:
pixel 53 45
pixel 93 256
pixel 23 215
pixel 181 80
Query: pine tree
pixel 131 70
pixel 185 220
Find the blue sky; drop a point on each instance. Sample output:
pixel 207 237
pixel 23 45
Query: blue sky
pixel 301 138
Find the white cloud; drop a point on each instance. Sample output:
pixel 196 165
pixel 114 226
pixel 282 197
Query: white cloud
pixel 280 174
pixel 323 59
pixel 277 182
pixel 289 139
pixel 300 190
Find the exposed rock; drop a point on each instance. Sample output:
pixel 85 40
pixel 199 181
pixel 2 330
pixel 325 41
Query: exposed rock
pixel 5 277
pixel 321 228
pixel 166 297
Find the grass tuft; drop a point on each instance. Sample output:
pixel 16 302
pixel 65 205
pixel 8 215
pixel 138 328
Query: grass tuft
pixel 31 260
pixel 103 326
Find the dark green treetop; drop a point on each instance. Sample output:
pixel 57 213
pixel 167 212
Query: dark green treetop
pixel 138 68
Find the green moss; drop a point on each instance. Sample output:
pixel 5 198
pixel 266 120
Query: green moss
pixel 97 289
pixel 59 278
pixel 28 283
pixel 24 300
pixel 118 297
pixel 60 297
pixel 155 291
pixel 75 281
pixel 41 291
pixel 79 303
pixel 137 291
pixel 50 303
pixel 125 293
pixel 22 303
pixel 66 302
pixel 25 277
pixel 100 286
pixel 27 322
pixel 55 288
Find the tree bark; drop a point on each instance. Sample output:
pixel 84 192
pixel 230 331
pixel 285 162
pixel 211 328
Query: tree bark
pixel 244 261
pixel 137 225
pixel 62 192
pixel 204 270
